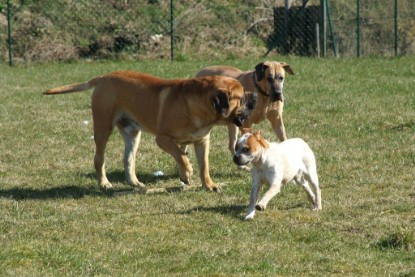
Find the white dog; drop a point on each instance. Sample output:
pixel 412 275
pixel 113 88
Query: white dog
pixel 277 164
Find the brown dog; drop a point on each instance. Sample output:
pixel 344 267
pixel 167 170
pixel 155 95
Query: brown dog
pixel 178 112
pixel 267 80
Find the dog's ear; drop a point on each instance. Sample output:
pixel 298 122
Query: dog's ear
pixel 257 135
pixel 260 139
pixel 246 130
pixel 287 68
pixel 221 103
pixel 260 71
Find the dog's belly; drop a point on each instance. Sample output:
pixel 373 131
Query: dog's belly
pixel 180 136
pixel 188 136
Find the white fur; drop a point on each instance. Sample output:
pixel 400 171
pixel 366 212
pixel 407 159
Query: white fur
pixel 277 165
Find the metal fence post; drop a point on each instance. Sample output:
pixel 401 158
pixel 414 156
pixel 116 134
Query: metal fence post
pixel 331 29
pixel 323 27
pixel 358 28
pixel 396 28
pixel 9 33
pixel 171 31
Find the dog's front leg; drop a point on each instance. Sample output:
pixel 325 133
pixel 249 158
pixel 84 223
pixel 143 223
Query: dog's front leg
pixel 275 117
pixel 274 189
pixel 233 136
pixel 253 197
pixel 168 145
pixel 202 156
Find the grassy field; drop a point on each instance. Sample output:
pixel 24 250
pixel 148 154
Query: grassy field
pixel 357 115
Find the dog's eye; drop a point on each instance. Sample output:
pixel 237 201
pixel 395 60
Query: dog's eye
pixel 270 79
pixel 245 149
pixel 279 78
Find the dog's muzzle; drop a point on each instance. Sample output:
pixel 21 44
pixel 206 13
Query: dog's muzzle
pixel 238 160
pixel 276 95
pixel 240 118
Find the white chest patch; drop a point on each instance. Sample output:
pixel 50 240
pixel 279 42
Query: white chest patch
pixel 197 122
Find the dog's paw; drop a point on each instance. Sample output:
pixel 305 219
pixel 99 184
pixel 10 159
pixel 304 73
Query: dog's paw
pixel 250 215
pixel 140 189
pixel 106 186
pixel 217 189
pixel 316 208
pixel 214 188
pixel 244 167
pixel 259 207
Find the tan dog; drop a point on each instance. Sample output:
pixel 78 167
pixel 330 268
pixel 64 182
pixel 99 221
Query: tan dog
pixel 267 80
pixel 277 164
pixel 177 112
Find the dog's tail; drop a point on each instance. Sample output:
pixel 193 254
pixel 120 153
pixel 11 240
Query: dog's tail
pixel 73 87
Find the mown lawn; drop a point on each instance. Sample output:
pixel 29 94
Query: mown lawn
pixel 358 115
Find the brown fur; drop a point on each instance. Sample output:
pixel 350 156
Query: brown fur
pixel 265 107
pixel 177 112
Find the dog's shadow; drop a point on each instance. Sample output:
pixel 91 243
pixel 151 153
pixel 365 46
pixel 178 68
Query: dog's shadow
pixel 71 191
pixel 63 191
pixel 235 211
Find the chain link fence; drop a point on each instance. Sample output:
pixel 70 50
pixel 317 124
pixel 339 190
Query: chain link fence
pixel 344 28
pixel 51 30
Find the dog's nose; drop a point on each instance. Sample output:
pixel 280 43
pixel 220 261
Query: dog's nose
pixel 236 159
pixel 277 96
pixel 240 119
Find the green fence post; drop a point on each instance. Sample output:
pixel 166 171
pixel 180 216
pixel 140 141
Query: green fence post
pixel 323 27
pixel 171 31
pixel 358 28
pixel 9 33
pixel 396 28
pixel 333 41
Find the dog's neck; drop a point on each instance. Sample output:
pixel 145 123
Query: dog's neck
pixel 257 87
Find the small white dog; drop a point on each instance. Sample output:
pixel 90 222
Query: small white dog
pixel 276 164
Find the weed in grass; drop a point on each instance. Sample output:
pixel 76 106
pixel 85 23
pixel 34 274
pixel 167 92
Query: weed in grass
pixel 401 240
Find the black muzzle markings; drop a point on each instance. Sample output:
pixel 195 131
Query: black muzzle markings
pixel 248 101
pixel 276 88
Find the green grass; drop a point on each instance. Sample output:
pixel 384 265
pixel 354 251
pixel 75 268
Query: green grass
pixel 357 115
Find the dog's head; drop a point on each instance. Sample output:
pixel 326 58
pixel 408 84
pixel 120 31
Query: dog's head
pixel 270 77
pixel 230 101
pixel 249 147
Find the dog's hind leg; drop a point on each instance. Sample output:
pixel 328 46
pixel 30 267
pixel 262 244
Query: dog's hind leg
pixel 101 135
pixel 299 179
pixel 312 177
pixel 131 134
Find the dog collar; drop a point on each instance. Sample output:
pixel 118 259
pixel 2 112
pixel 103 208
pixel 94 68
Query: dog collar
pixel 258 88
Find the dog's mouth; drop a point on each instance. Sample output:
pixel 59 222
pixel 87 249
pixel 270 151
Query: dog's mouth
pixel 240 119
pixel 249 103
pixel 238 161
pixel 277 96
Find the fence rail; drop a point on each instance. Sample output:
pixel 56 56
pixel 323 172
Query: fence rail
pixel 52 30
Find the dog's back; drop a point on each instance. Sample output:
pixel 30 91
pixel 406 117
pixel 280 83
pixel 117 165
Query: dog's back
pixel 295 150
pixel 220 70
